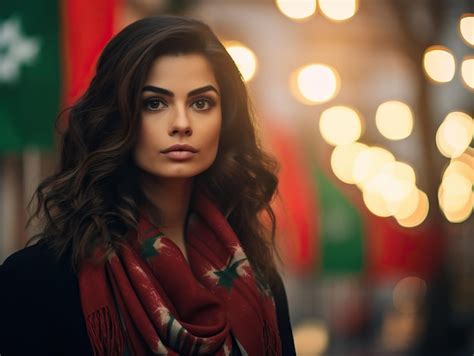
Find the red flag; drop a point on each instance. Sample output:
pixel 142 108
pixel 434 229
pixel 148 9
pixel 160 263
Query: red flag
pixel 296 210
pixel 394 250
pixel 87 27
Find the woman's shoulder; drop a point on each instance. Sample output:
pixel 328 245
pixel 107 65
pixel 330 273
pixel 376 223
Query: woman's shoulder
pixel 35 263
pixel 35 274
pixel 40 305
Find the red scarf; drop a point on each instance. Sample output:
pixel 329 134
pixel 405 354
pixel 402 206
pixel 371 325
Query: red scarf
pixel 148 300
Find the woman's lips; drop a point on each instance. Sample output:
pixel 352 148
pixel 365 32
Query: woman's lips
pixel 179 155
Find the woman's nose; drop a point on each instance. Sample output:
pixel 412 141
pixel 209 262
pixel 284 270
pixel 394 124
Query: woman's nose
pixel 181 124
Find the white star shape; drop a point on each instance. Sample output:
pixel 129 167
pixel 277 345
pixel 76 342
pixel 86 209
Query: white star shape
pixel 239 254
pixel 158 244
pixel 15 49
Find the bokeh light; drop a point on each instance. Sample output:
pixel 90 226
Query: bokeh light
pixel 400 170
pixel 391 191
pixel 401 197
pixel 316 83
pixel 454 192
pixel 296 9
pixel 467 70
pixel 439 64
pixel 340 125
pixel 460 167
pixel 369 162
pixel 466 28
pixel 454 134
pixel 311 338
pixel 372 194
pixel 244 58
pixel 394 120
pixel 409 294
pixel 342 160
pixel 420 213
pixel 339 10
pixel 462 214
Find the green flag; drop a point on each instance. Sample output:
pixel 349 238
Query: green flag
pixel 29 73
pixel 341 230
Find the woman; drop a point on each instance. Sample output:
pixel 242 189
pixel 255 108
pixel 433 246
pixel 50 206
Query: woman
pixel 154 241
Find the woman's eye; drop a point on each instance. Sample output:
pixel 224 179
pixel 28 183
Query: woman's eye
pixel 154 104
pixel 203 104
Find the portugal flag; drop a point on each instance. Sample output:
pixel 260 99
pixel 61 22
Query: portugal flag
pixel 48 51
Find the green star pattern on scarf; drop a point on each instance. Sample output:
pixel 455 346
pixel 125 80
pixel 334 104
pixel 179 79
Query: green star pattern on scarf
pixel 148 246
pixel 229 274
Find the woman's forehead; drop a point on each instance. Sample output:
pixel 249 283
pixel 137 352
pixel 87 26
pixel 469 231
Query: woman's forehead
pixel 184 70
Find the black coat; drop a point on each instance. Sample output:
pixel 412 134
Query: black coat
pixel 40 307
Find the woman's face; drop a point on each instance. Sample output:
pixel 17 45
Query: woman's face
pixel 181 106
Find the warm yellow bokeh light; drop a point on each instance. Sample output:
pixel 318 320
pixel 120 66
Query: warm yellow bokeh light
pixel 466 27
pixel 317 83
pixel 311 338
pixel 420 213
pixel 369 162
pixel 454 192
pixel 467 158
pixel 342 160
pixel 394 120
pixel 460 167
pixel 372 194
pixel 338 10
pixel 340 125
pixel 401 198
pixel 467 71
pixel 439 64
pixel 441 142
pixel 296 9
pixel 454 134
pixel 244 58
pixel 400 170
pixel 392 190
pixel 409 294
pixel 462 214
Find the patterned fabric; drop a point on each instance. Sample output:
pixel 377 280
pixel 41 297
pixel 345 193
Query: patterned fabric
pixel 148 299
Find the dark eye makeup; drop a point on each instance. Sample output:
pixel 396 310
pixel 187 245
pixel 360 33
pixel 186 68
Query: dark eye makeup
pixel 154 103
pixel 199 104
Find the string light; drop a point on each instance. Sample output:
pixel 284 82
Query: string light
pixel 315 83
pixel 401 197
pixel 339 10
pixel 454 134
pixel 342 160
pixel 311 337
pixel 369 162
pixel 340 125
pixel 439 64
pixel 394 120
pixel 467 71
pixel 454 195
pixel 372 194
pixel 466 28
pixel 243 57
pixel 420 213
pixel 296 9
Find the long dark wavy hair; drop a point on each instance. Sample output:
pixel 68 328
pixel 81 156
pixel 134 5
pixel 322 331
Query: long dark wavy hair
pixel 93 197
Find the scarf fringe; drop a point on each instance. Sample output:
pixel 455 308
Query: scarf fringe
pixel 105 333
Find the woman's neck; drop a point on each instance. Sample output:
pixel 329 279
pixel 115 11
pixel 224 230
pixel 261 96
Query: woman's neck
pixel 171 196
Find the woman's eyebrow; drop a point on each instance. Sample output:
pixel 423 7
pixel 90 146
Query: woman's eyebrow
pixel 166 92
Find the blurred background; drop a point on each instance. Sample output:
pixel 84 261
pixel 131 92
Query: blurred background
pixel 366 104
